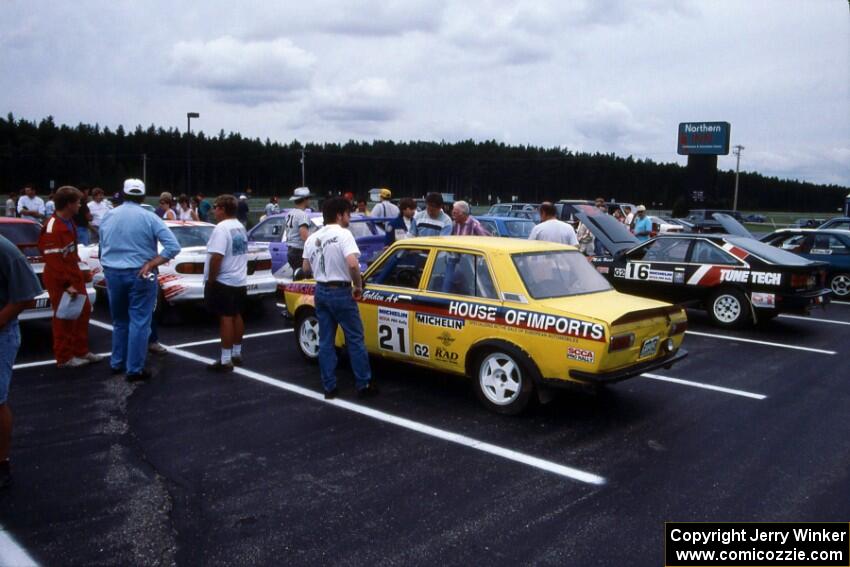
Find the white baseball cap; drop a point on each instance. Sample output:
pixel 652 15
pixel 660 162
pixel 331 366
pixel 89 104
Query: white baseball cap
pixel 300 194
pixel 641 208
pixel 134 187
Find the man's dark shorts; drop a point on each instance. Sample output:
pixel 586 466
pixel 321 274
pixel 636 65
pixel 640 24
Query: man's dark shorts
pixel 295 257
pixel 225 300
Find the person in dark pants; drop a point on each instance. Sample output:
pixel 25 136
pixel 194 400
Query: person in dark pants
pixel 297 227
pixel 226 281
pixel 242 210
pixel 18 288
pixel 331 254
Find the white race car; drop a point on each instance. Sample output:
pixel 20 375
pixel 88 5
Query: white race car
pixel 182 279
pixel 24 234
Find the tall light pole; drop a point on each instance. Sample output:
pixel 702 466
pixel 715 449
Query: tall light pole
pixel 303 176
pixel 189 117
pixel 737 152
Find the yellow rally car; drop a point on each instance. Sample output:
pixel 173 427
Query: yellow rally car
pixel 515 315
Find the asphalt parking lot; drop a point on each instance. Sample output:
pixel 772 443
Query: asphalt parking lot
pixel 256 468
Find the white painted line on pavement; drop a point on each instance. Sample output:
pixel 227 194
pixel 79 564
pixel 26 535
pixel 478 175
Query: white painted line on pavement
pixel 509 454
pixel 248 336
pixel 815 319
pixel 44 363
pixel 706 386
pixel 840 302
pixel 184 345
pixel 766 343
pixel 11 552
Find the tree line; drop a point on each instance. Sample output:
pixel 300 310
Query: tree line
pixel 481 172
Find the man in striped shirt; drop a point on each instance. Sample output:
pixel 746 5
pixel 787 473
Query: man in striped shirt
pixel 465 225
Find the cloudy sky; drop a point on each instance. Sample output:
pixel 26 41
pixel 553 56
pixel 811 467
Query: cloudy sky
pixel 592 75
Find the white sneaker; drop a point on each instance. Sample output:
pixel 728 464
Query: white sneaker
pixel 74 363
pixel 92 357
pixel 157 348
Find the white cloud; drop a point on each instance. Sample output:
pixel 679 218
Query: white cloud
pixel 609 122
pixel 361 106
pixel 243 72
pixel 598 75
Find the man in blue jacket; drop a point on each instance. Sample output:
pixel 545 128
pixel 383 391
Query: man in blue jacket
pixel 404 225
pixel 129 255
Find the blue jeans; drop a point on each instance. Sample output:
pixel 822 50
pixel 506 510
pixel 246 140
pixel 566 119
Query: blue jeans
pixel 83 236
pixel 335 306
pixel 10 341
pixel 131 302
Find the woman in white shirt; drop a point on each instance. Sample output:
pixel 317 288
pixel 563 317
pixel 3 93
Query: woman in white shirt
pixel 185 212
pixel 167 212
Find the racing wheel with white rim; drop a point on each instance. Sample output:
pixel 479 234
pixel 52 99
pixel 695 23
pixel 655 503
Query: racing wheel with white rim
pixel 728 307
pixel 307 335
pixel 504 379
pixel 840 284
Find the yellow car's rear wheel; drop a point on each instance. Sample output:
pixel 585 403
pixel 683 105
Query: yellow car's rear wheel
pixel 504 379
pixel 307 335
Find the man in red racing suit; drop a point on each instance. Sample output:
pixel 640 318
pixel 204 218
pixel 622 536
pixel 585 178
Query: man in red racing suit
pixel 62 273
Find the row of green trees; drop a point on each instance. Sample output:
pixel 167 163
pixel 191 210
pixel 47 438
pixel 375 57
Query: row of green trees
pixel 33 152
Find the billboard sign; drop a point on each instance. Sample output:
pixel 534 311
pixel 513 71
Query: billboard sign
pixel 703 138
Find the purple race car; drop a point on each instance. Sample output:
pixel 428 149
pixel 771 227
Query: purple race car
pixel 368 232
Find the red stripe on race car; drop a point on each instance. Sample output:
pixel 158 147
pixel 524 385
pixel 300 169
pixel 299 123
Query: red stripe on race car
pixel 739 253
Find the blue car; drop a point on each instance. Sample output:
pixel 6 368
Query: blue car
pixel 513 227
pixel 827 245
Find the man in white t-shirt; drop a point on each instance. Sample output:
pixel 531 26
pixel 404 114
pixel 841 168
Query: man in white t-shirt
pixel 331 254
pixel 551 229
pixel 30 205
pixel 226 280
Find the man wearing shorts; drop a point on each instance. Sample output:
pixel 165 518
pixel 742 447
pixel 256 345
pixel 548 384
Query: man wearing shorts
pixel 18 288
pixel 226 281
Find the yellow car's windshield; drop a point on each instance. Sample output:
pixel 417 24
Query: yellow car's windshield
pixel 558 274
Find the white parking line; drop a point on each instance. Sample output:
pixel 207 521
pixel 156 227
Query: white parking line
pixel 840 302
pixel 248 336
pixel 44 363
pixel 815 319
pixel 11 552
pixel 766 343
pixel 706 386
pixel 509 454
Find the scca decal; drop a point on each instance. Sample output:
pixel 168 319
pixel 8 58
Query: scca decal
pixel 580 354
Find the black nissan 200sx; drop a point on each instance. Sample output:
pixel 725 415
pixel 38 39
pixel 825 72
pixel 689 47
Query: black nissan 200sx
pixel 737 279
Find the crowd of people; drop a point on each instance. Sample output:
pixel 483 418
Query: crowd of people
pixel 134 243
